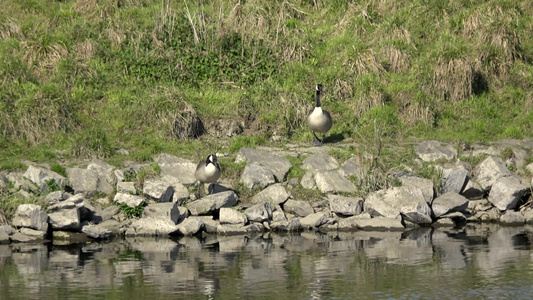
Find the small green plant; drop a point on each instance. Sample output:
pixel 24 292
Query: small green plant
pixel 59 169
pixel 130 212
pixel 52 185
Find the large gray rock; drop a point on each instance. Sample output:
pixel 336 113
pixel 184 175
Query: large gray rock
pixel 231 216
pixel 275 194
pixel 256 176
pixel 424 184
pixel 409 202
pixel 191 226
pixel 129 200
pixel 473 190
pixel 87 182
pixel 65 219
pixel 449 202
pixel 96 231
pixel 75 201
pixel 298 208
pixel 278 165
pixel 319 162
pixel 512 218
pixel 55 197
pixel 34 233
pixel 152 227
pixel 18 237
pixel 333 182
pixel 126 187
pixel 106 175
pixel 453 180
pixel 345 206
pixel 314 220
pixel 287 225
pixel 211 203
pixel 40 176
pixel 31 216
pixel 259 212
pixel 370 224
pixel 489 170
pixel 167 210
pixel 506 192
pixel 350 167
pixel 308 180
pixel 158 190
pixel 433 150
pixel 181 193
pixel 179 168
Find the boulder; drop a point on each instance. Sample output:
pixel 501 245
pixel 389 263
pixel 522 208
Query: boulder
pixel 96 231
pixel 370 224
pixel 432 150
pixel 333 182
pixel 453 180
pixel 275 194
pixel 157 189
pixel 256 176
pixel 260 212
pixel 345 206
pixel 279 166
pixel 298 208
pixel 65 219
pixel 191 226
pixel 308 180
pixel 30 216
pixel 231 216
pixel 179 168
pixel 106 175
pixel 210 204
pixel 167 210
pixel 473 190
pixel 314 220
pixel 449 202
pixel 350 167
pixel 424 184
pixel 287 225
pixel 512 218
pixel 128 200
pixel 126 187
pixel 152 227
pixel 507 191
pixel 490 170
pixel 83 180
pixel 320 161
pixel 43 177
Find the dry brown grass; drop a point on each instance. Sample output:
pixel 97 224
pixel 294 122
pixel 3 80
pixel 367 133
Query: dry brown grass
pixel 295 108
pixel 412 112
pixel 452 80
pixel 397 61
pixel 10 29
pixel 367 62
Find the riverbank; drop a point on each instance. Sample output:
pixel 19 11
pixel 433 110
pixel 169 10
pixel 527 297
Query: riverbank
pixel 339 187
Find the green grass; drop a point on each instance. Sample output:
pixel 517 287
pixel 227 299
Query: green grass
pixel 80 80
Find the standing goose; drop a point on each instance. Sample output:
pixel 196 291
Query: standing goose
pixel 207 171
pixel 319 120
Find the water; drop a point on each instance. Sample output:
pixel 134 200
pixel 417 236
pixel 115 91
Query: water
pixel 478 262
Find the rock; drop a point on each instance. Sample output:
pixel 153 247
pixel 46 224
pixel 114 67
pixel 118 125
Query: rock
pixel 433 150
pixel 6 229
pixel 212 203
pixel 191 226
pixel 210 225
pixel 4 184
pixel 472 190
pixel 184 213
pixel 287 225
pixel 152 227
pixel 370 224
pixel 231 229
pixel 18 237
pixel 453 180
pixel 489 170
pixel 298 208
pixel 308 180
pixel 75 201
pixel 333 182
pixel 179 168
pixel 512 218
pixel 507 191
pixel 345 206
pixel 275 194
pixel 106 175
pixel 181 193
pixel 126 187
pixel 83 181
pixel 33 233
pixel 279 166
pixel 314 220
pixel 449 202
pixel 54 198
pixel 96 231
pixel 69 237
pixel 259 212
pixel 528 215
pixel 4 238
pixel 42 177
pixel 158 190
pixel 114 226
pixel 231 216
pixel 278 215
pixel 350 167
pixel 529 168
pixel 167 210
pixel 255 177
pixel 407 201
pixel 30 216
pixel 128 200
pixel 320 161
pixel 65 219
pixel 424 184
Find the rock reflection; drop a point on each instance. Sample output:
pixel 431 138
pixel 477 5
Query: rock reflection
pixel 307 262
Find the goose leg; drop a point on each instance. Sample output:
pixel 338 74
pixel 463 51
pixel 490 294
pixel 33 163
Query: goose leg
pixel 317 141
pixel 322 141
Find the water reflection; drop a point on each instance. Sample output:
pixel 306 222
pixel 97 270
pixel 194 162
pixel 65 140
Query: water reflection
pixel 477 261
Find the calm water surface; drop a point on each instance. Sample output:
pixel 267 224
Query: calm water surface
pixel 477 262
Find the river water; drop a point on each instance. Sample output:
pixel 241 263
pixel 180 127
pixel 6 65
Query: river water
pixel 476 262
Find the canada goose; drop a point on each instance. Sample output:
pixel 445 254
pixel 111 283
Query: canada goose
pixel 207 171
pixel 319 120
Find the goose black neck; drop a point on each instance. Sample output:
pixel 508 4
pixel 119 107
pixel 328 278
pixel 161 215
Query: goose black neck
pixel 317 98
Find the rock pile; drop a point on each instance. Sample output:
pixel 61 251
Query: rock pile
pixel 100 201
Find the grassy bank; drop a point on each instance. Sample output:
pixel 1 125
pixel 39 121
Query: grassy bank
pixel 82 78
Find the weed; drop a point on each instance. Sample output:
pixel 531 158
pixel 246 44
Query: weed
pixel 59 169
pixel 52 185
pixel 131 212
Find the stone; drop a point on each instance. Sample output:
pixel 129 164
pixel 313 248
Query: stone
pixel 370 224
pixel 210 204
pixel 405 201
pixel 529 168
pixel 333 182
pixel 472 190
pixel 345 206
pixel 314 220
pixel 279 166
pixel 83 180
pixel 126 187
pixel 231 229
pixel 231 216
pixel 275 194
pixel 512 218
pixel 191 226
pixel 157 189
pixel 75 201
pixel 128 200
pixel 33 233
pixel 96 231
pixel 179 168
pixel 350 167
pixel 30 216
pixel 18 237
pixel 308 180
pixel 152 227
pixel 449 202
pixel 506 192
pixel 65 219
pixel 42 177
pixel 181 193
pixel 433 150
pixel 424 184
pixel 256 177
pixel 260 212
pixel 528 216
pixel 287 225
pixel 4 238
pixel 298 208
pixel 166 210
pixel 320 161
pixel 490 170
pixel 106 176
pixel 54 198
pixel 453 180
